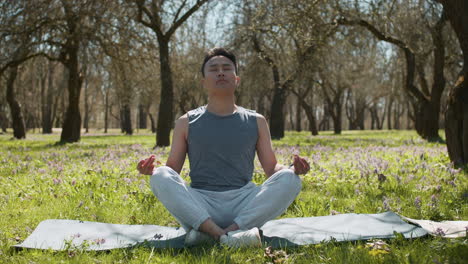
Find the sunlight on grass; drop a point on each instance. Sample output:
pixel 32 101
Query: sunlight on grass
pixel 356 172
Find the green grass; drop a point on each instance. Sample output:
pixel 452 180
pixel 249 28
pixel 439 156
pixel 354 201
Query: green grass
pixel 96 180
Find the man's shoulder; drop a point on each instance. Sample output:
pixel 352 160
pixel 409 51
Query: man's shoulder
pixel 247 111
pixel 196 112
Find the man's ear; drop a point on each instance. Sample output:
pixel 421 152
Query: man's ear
pixel 238 80
pixel 202 82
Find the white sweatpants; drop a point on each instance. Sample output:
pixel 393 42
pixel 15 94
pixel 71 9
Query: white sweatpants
pixel 250 206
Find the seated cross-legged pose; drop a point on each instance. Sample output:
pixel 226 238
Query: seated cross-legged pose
pixel 221 139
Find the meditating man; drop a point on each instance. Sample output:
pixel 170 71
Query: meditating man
pixel 222 203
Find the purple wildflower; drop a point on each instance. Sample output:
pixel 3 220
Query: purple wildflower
pixel 386 205
pixel 454 171
pixel 381 177
pixel 439 232
pixel 127 180
pixel 452 183
pixel 417 202
pixel 57 181
pixel 73 182
pixel 100 241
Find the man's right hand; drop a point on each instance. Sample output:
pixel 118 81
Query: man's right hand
pixel 146 166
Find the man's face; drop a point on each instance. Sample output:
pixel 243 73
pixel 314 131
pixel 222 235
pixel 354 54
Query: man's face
pixel 220 75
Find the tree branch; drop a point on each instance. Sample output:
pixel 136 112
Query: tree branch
pixel 176 16
pixel 409 54
pixel 179 22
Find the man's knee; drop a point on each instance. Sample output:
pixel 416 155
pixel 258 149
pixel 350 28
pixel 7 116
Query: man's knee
pixel 161 176
pixel 290 180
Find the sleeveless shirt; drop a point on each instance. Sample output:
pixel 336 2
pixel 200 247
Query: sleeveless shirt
pixel 221 149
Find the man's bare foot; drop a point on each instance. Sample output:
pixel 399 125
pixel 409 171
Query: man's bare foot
pixel 232 227
pixel 211 228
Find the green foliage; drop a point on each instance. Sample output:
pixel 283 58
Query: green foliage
pixel 357 172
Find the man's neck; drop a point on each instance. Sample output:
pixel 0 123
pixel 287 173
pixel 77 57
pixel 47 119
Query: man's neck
pixel 221 106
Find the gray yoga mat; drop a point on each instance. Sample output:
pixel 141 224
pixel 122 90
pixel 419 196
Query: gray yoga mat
pixel 66 234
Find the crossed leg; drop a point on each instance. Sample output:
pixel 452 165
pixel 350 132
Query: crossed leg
pixel 217 213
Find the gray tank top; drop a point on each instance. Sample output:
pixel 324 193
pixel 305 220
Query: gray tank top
pixel 221 149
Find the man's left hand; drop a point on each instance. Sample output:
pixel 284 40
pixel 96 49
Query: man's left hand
pixel 301 166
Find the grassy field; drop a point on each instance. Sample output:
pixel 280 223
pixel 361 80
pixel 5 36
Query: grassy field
pixel 96 180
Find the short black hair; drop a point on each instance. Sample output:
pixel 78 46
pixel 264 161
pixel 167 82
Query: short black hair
pixel 218 51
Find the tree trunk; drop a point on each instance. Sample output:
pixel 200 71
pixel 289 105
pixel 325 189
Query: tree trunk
pixel 427 113
pixel 311 117
pixel 456 115
pixel 277 114
pixel 106 109
pixel 337 117
pixel 381 122
pixel 397 113
pixel 3 119
pixel 427 121
pixel 389 112
pixel 86 106
pixel 19 129
pixel 279 94
pixel 261 106
pixel 142 116
pixel 126 119
pixel 325 122
pixel 298 116
pixel 165 114
pixel 153 128
pixel 291 114
pixel 335 109
pixel 47 102
pixel 71 130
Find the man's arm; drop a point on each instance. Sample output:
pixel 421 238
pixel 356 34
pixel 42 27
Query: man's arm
pixel 178 152
pixel 267 157
pixel 265 153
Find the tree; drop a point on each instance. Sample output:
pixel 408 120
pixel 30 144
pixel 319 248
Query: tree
pixel 426 101
pixel 284 34
pixel 20 26
pixel 152 15
pixel 456 115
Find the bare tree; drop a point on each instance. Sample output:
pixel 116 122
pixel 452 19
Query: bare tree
pixel 456 115
pixel 284 35
pixel 20 26
pixel 426 102
pixel 153 15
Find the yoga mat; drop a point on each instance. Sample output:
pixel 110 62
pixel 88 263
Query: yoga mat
pixel 66 234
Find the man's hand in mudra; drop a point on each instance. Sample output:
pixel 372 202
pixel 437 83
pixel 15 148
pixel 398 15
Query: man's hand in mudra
pixel 301 166
pixel 146 166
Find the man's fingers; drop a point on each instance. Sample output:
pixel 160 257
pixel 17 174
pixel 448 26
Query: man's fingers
pixel 140 164
pixel 146 166
pixel 150 160
pixel 303 163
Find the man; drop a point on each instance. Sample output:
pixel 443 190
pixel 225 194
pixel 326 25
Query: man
pixel 221 139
